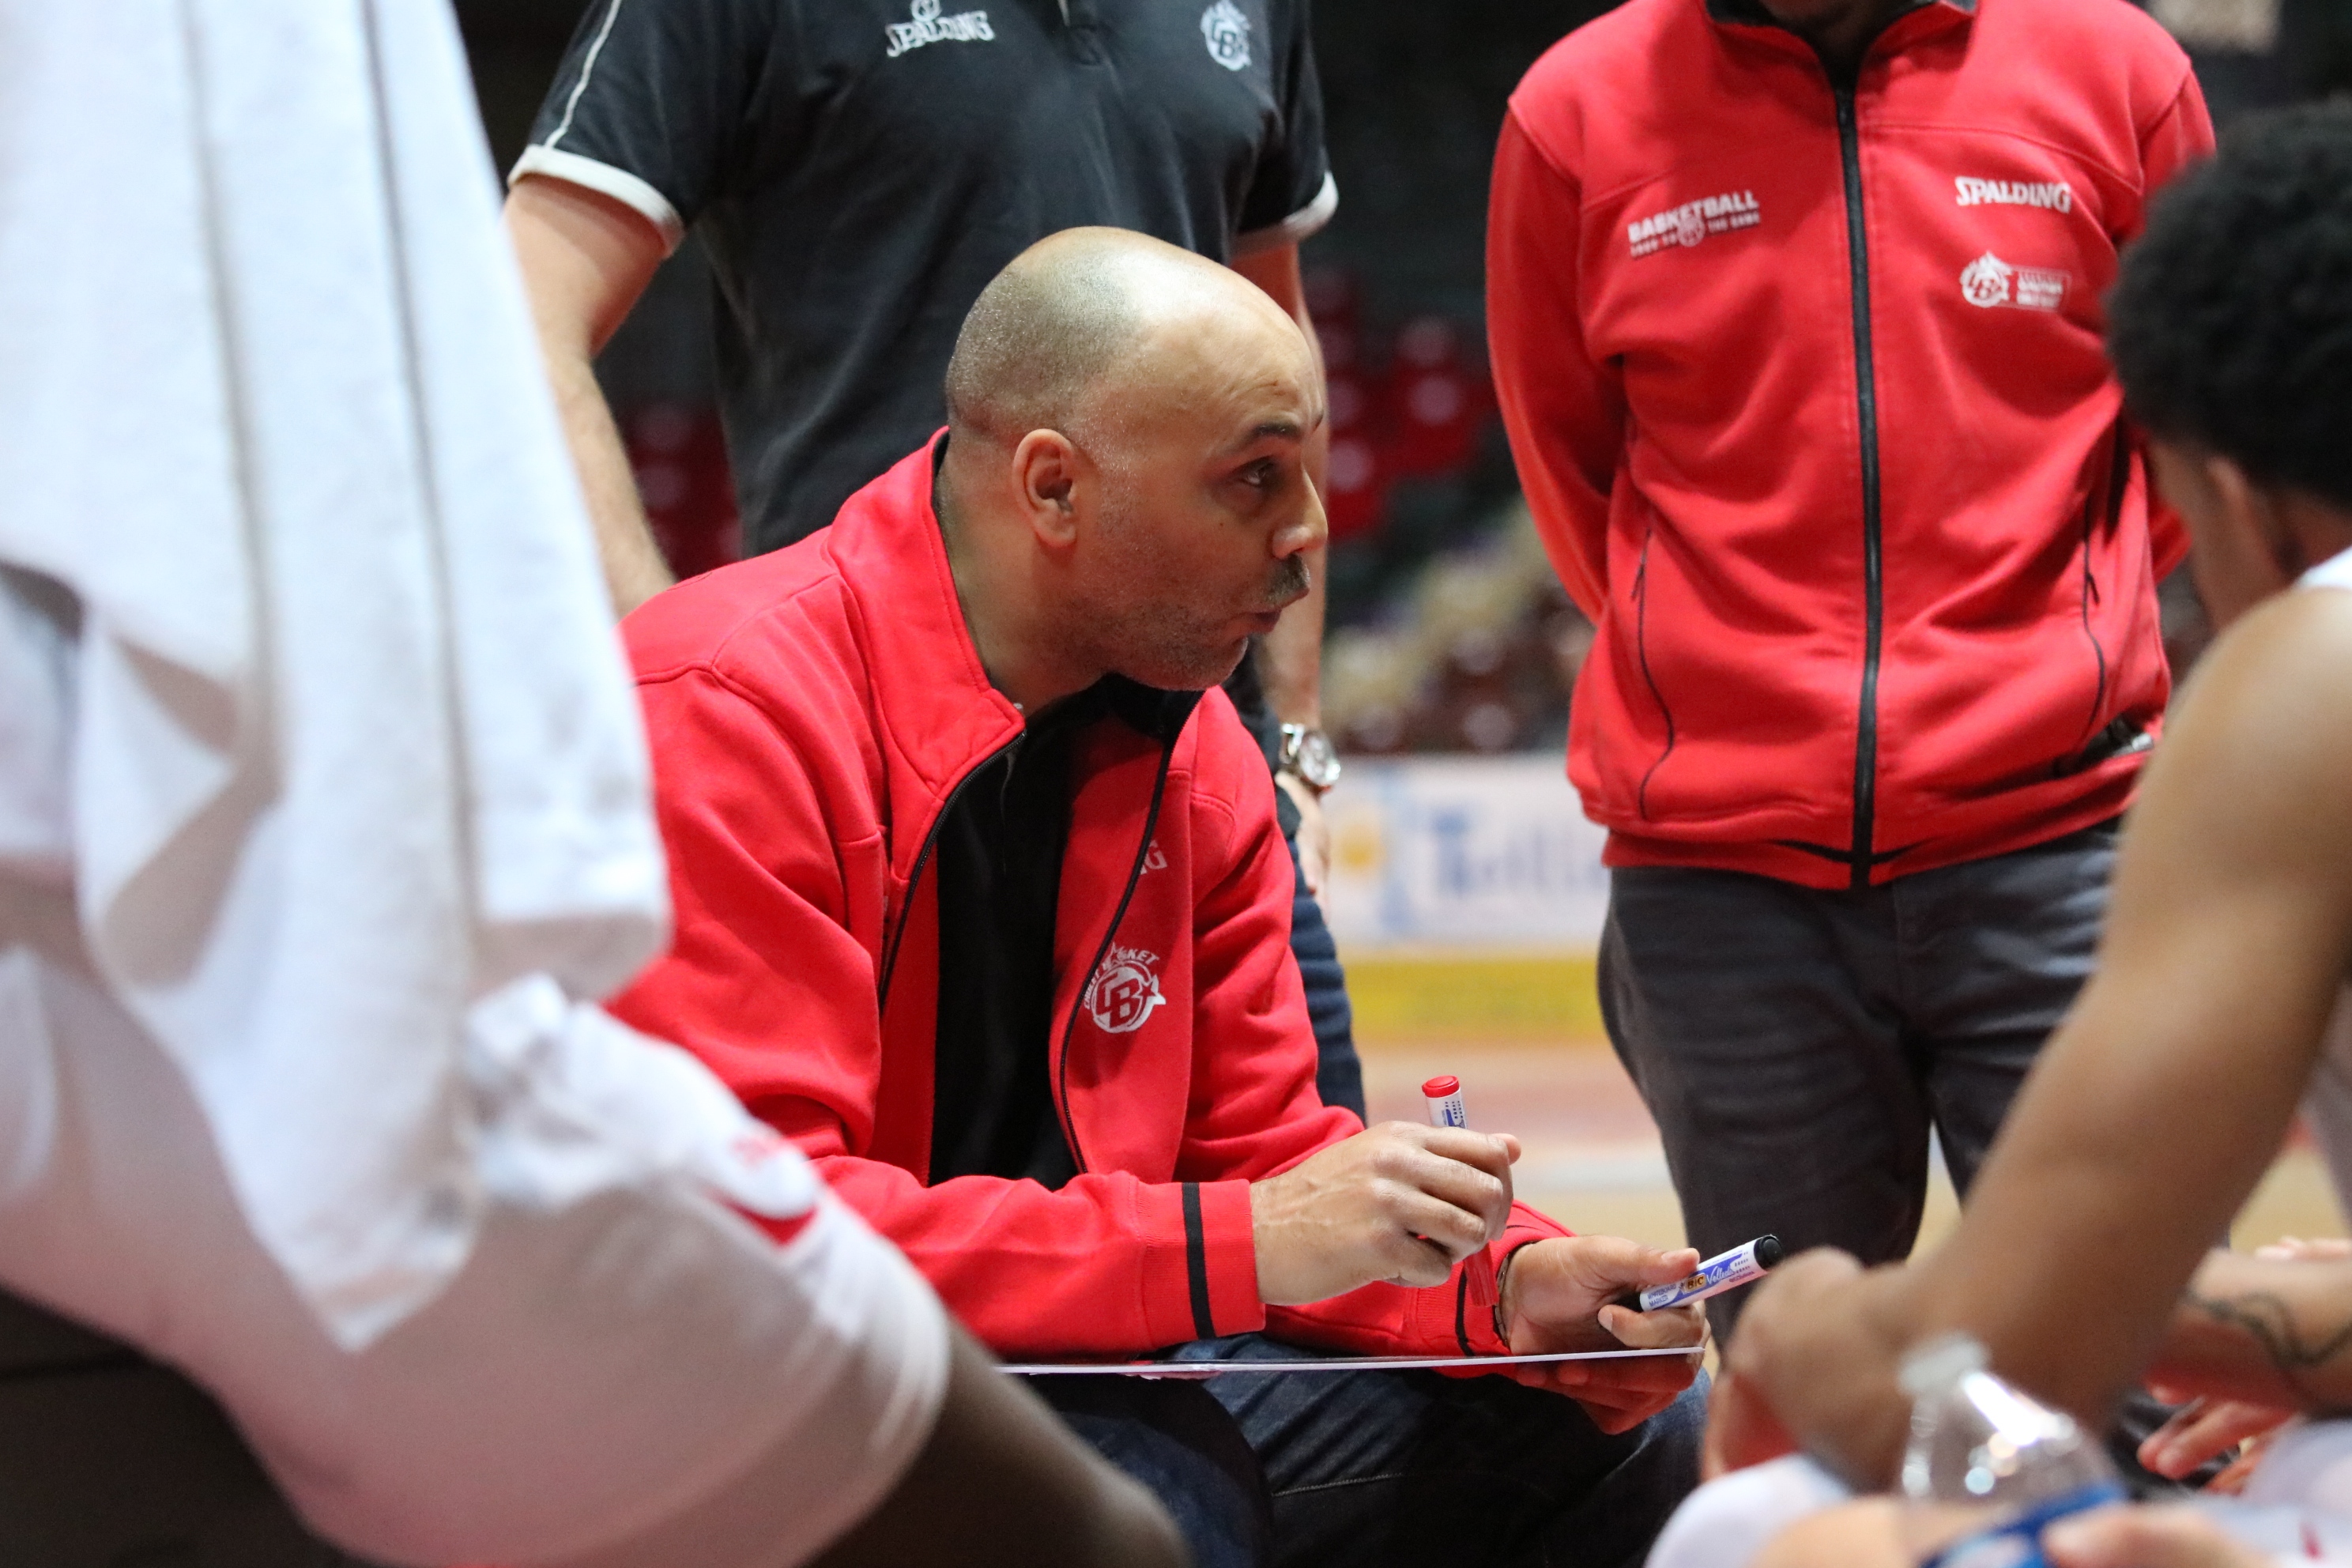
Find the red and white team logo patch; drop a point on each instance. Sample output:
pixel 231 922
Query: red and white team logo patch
pixel 1989 281
pixel 1124 991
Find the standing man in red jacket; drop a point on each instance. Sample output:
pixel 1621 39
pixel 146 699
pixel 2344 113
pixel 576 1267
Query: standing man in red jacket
pixel 981 900
pixel 1796 318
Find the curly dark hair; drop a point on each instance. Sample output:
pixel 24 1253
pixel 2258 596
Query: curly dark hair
pixel 2231 324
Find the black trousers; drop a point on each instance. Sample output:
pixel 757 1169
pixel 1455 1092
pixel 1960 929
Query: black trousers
pixel 1796 1046
pixel 110 1461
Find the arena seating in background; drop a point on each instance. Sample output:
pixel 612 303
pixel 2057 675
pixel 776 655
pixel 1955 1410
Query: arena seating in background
pixel 1471 649
pixel 1408 405
pixel 1477 654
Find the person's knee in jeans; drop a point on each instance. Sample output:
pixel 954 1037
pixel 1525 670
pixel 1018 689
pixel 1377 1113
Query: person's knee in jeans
pixel 1180 1443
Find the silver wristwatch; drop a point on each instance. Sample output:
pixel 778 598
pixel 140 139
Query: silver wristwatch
pixel 1307 755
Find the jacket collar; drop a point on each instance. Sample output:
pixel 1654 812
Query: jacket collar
pixel 1752 14
pixel 936 716
pixel 1921 18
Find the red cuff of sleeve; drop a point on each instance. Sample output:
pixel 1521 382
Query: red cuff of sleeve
pixel 1450 1315
pixel 1229 1248
pixel 1202 1281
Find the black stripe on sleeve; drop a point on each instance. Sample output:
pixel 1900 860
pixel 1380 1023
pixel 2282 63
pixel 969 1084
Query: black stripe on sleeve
pixel 1196 1263
pixel 1462 1310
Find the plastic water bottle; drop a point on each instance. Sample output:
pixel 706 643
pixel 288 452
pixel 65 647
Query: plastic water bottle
pixel 1987 1467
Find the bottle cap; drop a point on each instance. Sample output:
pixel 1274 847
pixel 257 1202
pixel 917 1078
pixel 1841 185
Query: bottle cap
pixel 1439 1087
pixel 1940 1363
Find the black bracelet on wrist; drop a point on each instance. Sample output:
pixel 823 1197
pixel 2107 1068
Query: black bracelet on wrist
pixel 1502 1275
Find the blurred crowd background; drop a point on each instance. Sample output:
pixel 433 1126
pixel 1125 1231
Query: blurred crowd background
pixel 1448 631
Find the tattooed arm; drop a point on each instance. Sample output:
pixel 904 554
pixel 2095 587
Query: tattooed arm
pixel 2266 1331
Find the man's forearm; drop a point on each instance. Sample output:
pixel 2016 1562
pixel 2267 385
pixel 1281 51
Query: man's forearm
pixel 585 259
pixel 634 568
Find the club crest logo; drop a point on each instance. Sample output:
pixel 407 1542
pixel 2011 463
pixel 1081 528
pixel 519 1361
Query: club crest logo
pixel 1227 28
pixel 1984 281
pixel 929 27
pixel 1124 991
pixel 1989 281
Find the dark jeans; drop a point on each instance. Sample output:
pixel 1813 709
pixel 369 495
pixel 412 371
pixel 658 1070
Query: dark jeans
pixel 108 1461
pixel 1339 1072
pixel 1796 1046
pixel 1394 1469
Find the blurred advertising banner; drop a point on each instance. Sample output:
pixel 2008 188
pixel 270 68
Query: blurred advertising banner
pixel 1463 853
pixel 1466 895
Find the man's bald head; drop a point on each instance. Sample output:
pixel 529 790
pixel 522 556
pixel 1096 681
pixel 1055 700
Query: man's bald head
pixel 1071 319
pixel 1127 490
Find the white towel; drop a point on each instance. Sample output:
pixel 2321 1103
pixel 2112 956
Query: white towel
pixel 352 744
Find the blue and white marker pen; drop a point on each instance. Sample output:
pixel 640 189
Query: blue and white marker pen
pixel 1725 1271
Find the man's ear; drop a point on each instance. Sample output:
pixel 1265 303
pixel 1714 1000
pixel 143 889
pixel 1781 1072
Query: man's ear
pixel 1045 469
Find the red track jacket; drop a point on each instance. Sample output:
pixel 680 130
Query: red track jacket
pixel 1807 391
pixel 811 712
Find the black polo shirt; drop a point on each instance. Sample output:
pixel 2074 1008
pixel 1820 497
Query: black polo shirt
pixel 858 170
pixel 998 859
pixel 997 853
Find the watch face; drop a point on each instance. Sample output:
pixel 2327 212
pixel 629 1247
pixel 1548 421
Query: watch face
pixel 1318 764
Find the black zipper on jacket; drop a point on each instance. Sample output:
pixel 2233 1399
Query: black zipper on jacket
pixel 1857 247
pixel 1110 936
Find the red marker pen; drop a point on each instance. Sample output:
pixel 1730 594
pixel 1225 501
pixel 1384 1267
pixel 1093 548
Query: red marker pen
pixel 1445 1098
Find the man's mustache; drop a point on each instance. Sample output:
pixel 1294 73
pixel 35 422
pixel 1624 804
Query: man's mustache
pixel 1291 579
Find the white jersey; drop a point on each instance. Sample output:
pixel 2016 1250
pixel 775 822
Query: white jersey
pixel 2335 572
pixel 324 822
pixel 596 1368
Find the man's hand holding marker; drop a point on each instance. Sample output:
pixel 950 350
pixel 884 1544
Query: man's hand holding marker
pixel 1562 1294
pixel 1406 1204
pixel 1444 1095
pixel 1725 1271
pixel 1396 1203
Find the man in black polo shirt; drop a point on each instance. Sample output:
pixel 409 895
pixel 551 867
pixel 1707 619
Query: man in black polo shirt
pixel 857 171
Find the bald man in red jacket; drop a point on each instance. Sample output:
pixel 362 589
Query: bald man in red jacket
pixel 981 899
